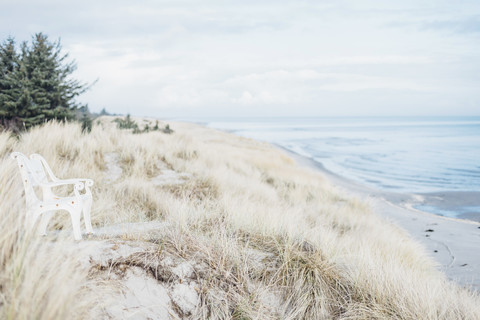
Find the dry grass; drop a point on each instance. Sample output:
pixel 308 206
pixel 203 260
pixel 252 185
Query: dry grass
pixel 37 279
pixel 267 238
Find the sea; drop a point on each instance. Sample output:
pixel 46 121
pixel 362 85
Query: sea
pixel 400 154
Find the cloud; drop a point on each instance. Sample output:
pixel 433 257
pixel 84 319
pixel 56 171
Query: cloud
pixel 467 25
pixel 213 57
pixel 283 80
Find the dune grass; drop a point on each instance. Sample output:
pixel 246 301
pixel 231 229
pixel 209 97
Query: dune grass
pixel 269 239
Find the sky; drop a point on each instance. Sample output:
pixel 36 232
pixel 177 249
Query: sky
pixel 265 58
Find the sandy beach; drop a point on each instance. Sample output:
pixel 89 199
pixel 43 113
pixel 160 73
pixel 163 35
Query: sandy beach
pixel 452 242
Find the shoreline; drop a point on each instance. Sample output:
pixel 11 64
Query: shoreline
pixel 428 202
pixel 451 201
pixel 451 242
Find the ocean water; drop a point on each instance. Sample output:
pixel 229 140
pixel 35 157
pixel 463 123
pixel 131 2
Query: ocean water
pixel 412 155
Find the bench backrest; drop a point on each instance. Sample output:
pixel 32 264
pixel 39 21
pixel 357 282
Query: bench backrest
pixel 32 172
pixel 37 171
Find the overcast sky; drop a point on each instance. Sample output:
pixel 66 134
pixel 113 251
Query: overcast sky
pixel 265 58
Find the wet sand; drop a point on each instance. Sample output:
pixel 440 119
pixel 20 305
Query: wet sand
pixel 454 243
pixel 454 201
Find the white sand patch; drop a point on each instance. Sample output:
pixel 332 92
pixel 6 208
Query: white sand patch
pixel 142 298
pixel 133 290
pixel 184 270
pixel 131 229
pixel 170 177
pixel 114 171
pixel 168 262
pixel 256 258
pixel 272 301
pixel 185 297
pixel 101 252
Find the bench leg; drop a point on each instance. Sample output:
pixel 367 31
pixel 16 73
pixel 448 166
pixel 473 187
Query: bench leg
pixel 46 216
pixel 75 215
pixel 87 207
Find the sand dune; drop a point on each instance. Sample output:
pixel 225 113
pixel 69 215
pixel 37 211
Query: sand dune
pixel 235 230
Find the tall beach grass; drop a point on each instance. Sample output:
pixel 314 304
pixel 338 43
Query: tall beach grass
pixel 269 239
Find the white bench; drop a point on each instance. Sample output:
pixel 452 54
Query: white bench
pixel 36 172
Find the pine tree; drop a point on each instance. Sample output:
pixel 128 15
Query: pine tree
pixel 35 85
pixel 31 99
pixel 9 86
pixel 52 90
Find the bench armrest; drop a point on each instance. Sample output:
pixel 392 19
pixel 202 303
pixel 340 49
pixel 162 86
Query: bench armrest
pixel 87 182
pixel 78 185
